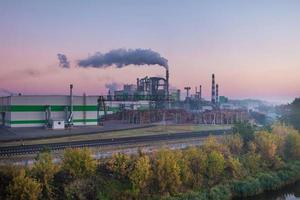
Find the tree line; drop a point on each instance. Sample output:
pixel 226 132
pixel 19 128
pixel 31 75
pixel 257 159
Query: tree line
pixel 241 164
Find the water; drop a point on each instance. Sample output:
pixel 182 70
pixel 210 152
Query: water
pixel 291 192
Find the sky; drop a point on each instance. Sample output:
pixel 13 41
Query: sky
pixel 253 47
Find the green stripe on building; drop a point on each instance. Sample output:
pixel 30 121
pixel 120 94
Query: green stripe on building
pixel 44 121
pixel 56 108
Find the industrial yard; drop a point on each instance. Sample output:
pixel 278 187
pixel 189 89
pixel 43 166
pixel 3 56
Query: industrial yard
pixel 144 113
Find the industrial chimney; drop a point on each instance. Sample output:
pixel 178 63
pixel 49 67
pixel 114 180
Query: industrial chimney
pixel 138 83
pixel 213 88
pixel 167 85
pixel 200 92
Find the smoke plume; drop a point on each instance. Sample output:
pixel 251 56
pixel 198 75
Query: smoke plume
pixel 112 86
pixel 63 60
pixel 5 92
pixel 123 57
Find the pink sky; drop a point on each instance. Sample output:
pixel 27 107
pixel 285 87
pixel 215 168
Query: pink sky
pixel 253 48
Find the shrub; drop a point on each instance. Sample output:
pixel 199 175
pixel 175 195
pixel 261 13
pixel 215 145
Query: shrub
pixel 269 181
pixel 220 192
pixel 248 187
pixel 23 187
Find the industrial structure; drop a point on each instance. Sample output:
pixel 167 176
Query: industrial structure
pixel 149 100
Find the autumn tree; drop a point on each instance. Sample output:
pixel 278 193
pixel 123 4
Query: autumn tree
pixel 196 160
pixel 267 145
pixel 23 187
pixel 141 174
pixel 78 162
pixel 119 165
pixel 234 142
pixel 292 146
pixel 234 167
pixel 167 172
pixel 43 170
pixel 215 167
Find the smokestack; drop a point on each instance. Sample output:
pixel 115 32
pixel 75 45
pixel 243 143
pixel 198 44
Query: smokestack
pixel 200 92
pixel 137 83
pixel 213 88
pixel 217 93
pixel 196 92
pixel 167 84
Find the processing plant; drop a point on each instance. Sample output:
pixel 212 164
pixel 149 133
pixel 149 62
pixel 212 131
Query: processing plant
pixel 147 101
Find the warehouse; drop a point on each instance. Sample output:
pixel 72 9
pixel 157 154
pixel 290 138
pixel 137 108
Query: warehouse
pixel 58 111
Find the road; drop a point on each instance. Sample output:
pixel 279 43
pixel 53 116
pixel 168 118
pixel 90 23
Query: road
pixel 32 149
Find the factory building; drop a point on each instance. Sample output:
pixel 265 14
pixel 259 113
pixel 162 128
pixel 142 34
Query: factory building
pixel 145 101
pixel 59 110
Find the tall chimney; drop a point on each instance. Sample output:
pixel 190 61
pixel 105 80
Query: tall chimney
pixel 200 92
pixel 167 84
pixel 213 88
pixel 137 83
pixel 217 93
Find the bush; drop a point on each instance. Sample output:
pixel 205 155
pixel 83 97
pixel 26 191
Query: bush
pixel 269 181
pixel 190 196
pixel 23 187
pixel 220 192
pixel 248 187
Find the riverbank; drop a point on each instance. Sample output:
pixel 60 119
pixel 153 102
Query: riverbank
pixel 248 187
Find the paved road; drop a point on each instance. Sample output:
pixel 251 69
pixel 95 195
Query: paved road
pixel 31 149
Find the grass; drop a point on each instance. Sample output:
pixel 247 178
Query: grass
pixel 155 130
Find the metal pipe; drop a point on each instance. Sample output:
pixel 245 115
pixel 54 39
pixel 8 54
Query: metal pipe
pixel 70 120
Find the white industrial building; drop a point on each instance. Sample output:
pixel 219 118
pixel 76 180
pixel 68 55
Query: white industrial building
pixel 57 111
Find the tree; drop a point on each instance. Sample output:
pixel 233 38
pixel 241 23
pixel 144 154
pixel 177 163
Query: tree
pixel 24 188
pixel 267 145
pixel 291 113
pixel 167 172
pixel 141 175
pixel 245 130
pixel 7 173
pixel 234 143
pixel 292 146
pixel 81 189
pixel 252 162
pixel 212 144
pixel 119 165
pixel 234 167
pixel 215 167
pixel 43 170
pixel 196 160
pixel 78 162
